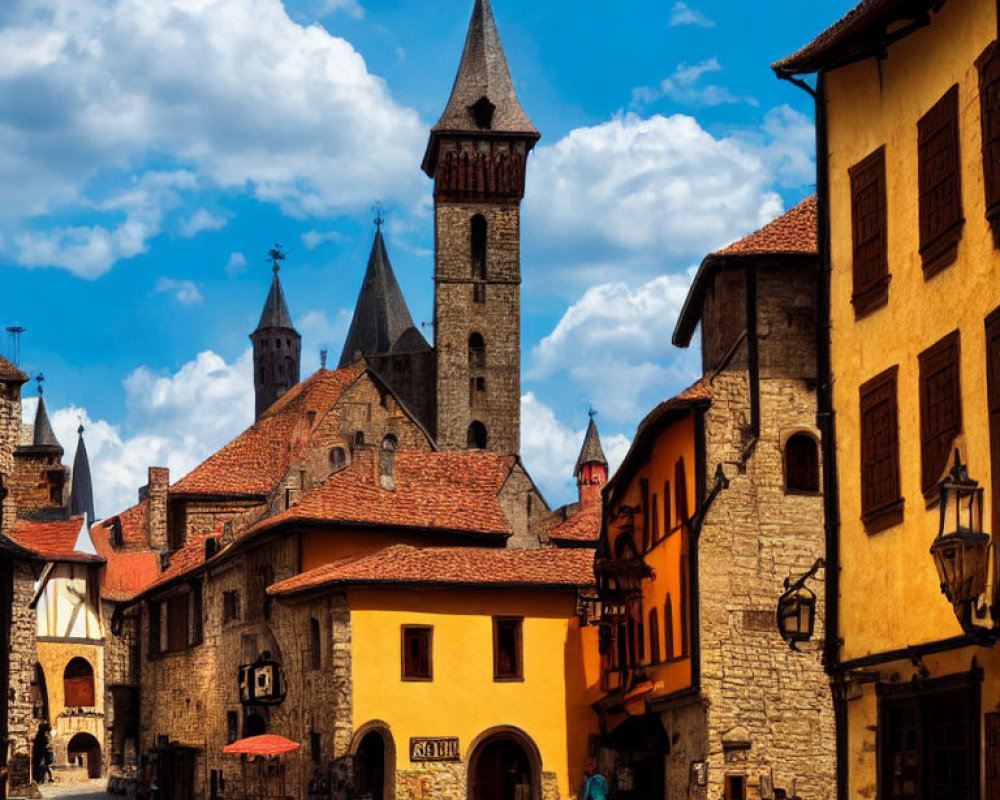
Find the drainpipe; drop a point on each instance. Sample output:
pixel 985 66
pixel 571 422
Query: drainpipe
pixel 826 421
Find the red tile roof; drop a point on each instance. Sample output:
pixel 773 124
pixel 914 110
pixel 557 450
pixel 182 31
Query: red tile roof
pixel 858 34
pixel 51 540
pixel 129 570
pixel 254 462
pixel 583 526
pixel 548 567
pixel 438 491
pixel 133 524
pixel 8 372
pixel 185 560
pixel 794 233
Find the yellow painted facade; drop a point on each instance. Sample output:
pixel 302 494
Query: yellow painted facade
pixel 53 657
pixel 551 704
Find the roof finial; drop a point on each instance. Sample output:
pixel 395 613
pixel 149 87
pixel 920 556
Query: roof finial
pixel 276 255
pixel 591 411
pixel 40 377
pixel 322 358
pixel 379 210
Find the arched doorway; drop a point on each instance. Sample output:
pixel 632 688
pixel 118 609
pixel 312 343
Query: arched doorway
pixel 374 752
pixel 84 750
pixel 504 765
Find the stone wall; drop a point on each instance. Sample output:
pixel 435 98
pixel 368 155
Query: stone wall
pixel 10 435
pixel 524 507
pixel 22 724
pixel 121 680
pixel 40 483
pixel 412 377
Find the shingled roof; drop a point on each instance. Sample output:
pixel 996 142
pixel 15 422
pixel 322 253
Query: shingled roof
pixel 81 497
pixel 457 567
pixel 382 322
pixel 43 435
pixel 11 374
pixel 583 527
pixel 591 452
pixel 861 33
pixel 53 541
pixel 790 238
pixel 252 464
pixel 454 492
pixel 275 313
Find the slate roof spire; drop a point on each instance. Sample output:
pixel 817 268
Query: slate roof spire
pixel 382 322
pixel 591 452
pixel 81 499
pixel 275 313
pixel 43 435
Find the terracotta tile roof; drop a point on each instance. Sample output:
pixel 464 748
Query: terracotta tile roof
pixel 8 372
pixel 133 523
pixel 185 560
pixel 550 567
pixel 858 34
pixel 794 233
pixel 254 462
pixel 128 570
pixel 583 526
pixel 439 491
pixel 51 540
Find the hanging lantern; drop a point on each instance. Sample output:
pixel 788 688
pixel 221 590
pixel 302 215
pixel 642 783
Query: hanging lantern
pixel 961 550
pixel 797 609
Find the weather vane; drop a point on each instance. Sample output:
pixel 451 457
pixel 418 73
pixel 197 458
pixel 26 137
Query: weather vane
pixel 591 411
pixel 379 211
pixel 40 377
pixel 276 255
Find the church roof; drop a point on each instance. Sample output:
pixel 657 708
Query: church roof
pixel 382 322
pixel 9 373
pixel 275 313
pixel 458 567
pixel 591 451
pixel 43 435
pixel 81 498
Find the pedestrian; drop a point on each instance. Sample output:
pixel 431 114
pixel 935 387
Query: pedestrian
pixel 597 784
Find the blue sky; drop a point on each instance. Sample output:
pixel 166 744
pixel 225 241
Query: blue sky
pixel 153 150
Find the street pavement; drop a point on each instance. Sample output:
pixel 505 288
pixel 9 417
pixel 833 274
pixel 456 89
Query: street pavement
pixel 86 790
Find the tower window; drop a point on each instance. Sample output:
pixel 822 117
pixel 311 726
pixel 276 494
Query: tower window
pixel 277 343
pixel 801 464
pixel 479 293
pixel 477 351
pixel 478 247
pixel 482 113
pixel 477 437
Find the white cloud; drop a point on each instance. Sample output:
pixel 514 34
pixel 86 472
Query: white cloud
pixel 235 93
pixel 175 420
pixel 185 292
pixel 682 14
pixel 682 87
pixel 237 263
pixel 613 346
pixel 550 448
pixel 635 196
pixel 350 7
pixel 314 238
pixel 201 220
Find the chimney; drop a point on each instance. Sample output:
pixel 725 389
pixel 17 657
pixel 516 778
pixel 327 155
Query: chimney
pixel 156 514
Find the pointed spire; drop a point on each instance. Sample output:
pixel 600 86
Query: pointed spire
pixel 43 435
pixel 81 499
pixel 382 322
pixel 275 313
pixel 591 452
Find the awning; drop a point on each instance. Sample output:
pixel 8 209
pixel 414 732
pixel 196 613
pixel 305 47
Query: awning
pixel 266 745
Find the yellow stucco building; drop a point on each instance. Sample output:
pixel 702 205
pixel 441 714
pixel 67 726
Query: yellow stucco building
pixel 908 132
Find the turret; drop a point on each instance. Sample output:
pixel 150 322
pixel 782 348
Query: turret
pixel 40 477
pixel 81 496
pixel 277 346
pixel 591 467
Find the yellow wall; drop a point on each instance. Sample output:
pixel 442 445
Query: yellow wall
pixel 551 704
pixel 324 547
pixel 890 593
pixel 675 442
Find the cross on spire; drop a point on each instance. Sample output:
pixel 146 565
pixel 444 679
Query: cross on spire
pixel 276 255
pixel 591 411
pixel 39 378
pixel 379 211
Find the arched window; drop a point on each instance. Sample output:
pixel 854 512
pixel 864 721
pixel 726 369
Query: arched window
pixel 801 463
pixel 387 462
pixel 338 458
pixel 477 437
pixel 78 683
pixel 654 637
pixel 477 351
pixel 477 236
pixel 315 654
pixel 680 492
pixel 668 629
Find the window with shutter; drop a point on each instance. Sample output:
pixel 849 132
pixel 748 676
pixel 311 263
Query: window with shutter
pixel 940 409
pixel 939 178
pixel 680 492
pixel 684 606
pixel 417 664
pixel 644 489
pixel 869 234
pixel 993 407
pixel 155 628
pixel 668 629
pixel 881 502
pixel 177 623
pixel 989 107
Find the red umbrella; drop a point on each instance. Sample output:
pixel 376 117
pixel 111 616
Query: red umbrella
pixel 266 745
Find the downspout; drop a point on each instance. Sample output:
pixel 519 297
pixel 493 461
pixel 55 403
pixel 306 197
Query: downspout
pixel 753 359
pixel 826 422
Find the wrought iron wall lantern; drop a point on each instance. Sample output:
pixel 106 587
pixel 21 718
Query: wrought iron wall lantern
pixel 797 608
pixel 962 549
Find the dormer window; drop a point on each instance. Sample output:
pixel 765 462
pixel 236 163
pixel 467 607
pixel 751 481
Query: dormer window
pixel 338 459
pixel 482 113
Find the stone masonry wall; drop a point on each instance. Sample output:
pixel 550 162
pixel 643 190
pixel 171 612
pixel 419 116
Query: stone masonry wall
pixel 10 435
pixel 21 722
pixel 40 482
pixel 770 705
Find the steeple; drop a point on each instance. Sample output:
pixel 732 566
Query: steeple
pixel 43 435
pixel 591 467
pixel 81 498
pixel 277 346
pixel 382 323
pixel 483 100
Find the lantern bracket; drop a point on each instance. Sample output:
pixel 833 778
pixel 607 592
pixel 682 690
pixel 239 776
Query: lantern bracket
pixel 792 588
pixel 798 583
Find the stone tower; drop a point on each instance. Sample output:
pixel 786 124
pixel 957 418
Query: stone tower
pixel 476 155
pixel 277 346
pixel 39 475
pixel 11 381
pixel 591 467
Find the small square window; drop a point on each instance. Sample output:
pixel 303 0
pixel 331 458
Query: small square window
pixel 507 659
pixel 230 606
pixel 417 664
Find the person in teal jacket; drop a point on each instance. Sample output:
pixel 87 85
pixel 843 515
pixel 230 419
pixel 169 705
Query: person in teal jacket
pixel 597 788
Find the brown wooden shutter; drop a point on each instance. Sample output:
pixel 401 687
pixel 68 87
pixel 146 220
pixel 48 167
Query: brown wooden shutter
pixel 197 618
pixel 644 490
pixel 993 401
pixel 869 234
pixel 940 408
pixel 992 753
pixel 989 106
pixel 177 623
pixel 881 502
pixel 939 177
pixel 155 629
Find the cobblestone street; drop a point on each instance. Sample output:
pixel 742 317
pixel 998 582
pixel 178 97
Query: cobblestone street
pixel 84 790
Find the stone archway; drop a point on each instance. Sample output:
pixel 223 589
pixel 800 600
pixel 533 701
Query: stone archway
pixel 83 749
pixel 374 752
pixel 503 764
